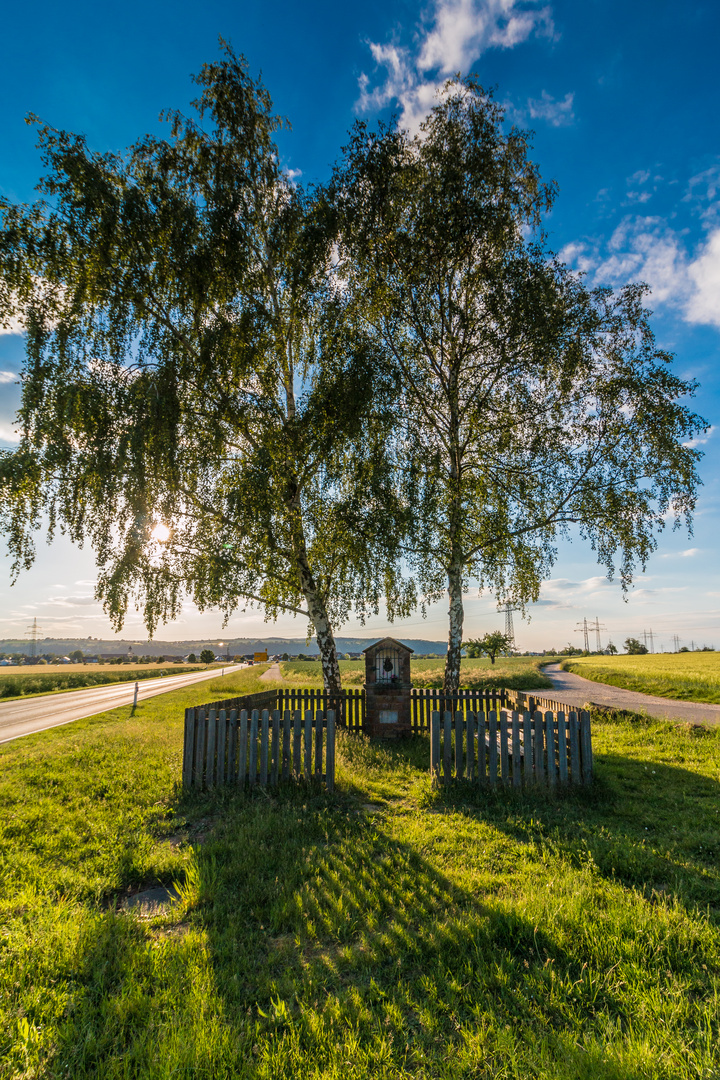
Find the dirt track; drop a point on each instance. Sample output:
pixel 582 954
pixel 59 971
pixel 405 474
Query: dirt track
pixel 576 690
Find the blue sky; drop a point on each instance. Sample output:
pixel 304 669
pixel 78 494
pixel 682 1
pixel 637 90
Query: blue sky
pixel 624 102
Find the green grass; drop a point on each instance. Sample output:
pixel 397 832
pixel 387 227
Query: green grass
pixel 41 681
pixel 515 673
pixel 388 932
pixel 681 676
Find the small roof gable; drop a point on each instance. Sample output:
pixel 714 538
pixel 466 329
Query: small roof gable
pixel 387 641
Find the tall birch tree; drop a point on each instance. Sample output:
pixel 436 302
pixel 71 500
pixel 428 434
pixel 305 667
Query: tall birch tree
pixel 529 405
pixel 199 400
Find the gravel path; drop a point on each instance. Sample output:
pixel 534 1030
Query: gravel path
pixel 273 674
pixel 573 689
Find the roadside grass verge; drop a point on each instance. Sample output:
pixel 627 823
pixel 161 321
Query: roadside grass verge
pixel 391 931
pixel 516 673
pixel 679 676
pixel 39 681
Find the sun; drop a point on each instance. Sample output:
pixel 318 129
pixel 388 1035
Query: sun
pixel 161 533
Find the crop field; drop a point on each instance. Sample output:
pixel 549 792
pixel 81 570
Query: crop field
pixel 44 679
pixel 516 673
pixel 691 676
pixel 389 931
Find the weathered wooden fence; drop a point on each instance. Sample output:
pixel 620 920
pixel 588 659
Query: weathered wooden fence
pixel 512 748
pixel 349 705
pixel 257 747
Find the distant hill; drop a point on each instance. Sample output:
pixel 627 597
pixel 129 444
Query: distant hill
pixel 234 646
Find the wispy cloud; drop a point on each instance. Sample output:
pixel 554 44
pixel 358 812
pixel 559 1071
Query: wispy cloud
pixel 7 376
pixel 688 553
pixel 455 34
pixel 557 113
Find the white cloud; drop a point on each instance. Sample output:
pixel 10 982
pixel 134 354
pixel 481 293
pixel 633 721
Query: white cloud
pixel 701 439
pixel 8 434
pixel 11 325
pixel 557 113
pixel 71 601
pixel 704 272
pixel 455 35
pixel 689 553
pixel 7 376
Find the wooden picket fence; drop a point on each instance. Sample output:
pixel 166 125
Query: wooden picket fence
pixel 257 747
pixel 349 705
pixel 512 748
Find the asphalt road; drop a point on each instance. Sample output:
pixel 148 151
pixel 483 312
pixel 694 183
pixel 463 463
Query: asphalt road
pixel 25 716
pixel 573 689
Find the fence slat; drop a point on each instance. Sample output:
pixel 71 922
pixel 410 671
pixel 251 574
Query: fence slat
pixel 318 744
pixel 504 772
pixel 562 749
pixel 435 746
pixel 527 749
pixel 275 749
pixel 330 751
pixel 243 737
pixel 470 745
pixel 264 740
pixel 459 765
pixel 481 749
pixel 231 773
pixel 308 744
pixel 200 733
pixel 516 774
pixel 586 747
pixel 210 756
pixel 447 747
pixel 287 718
pixel 220 747
pixel 297 744
pixel 574 747
pixel 550 746
pixel 539 748
pixel 188 747
pixel 252 765
pixel 492 748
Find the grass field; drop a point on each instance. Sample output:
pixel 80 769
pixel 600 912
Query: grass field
pixel 387 932
pixel 516 673
pixel 682 676
pixel 23 681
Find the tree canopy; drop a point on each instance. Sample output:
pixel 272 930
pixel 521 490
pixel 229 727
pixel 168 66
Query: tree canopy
pixel 199 399
pixel 528 404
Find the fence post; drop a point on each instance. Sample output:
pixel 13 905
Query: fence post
pixel 275 749
pixel 504 746
pixel 574 747
pixel 527 748
pixel 459 768
pixel 210 755
pixel 330 752
pixel 470 744
pixel 539 747
pixel 287 716
pixel 308 744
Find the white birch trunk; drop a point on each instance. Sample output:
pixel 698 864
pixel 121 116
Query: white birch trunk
pixel 455 633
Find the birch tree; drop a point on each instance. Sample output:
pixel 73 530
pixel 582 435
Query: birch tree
pixel 529 406
pixel 199 401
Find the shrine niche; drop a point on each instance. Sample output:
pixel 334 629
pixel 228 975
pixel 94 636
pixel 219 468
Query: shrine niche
pixel 387 688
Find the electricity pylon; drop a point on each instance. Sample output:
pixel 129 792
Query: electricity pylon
pixel 509 628
pixel 34 634
pixel 584 630
pixel 598 628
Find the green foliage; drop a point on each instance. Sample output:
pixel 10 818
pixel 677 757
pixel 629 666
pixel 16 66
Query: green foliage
pixel 190 362
pixel 634 647
pixel 527 404
pixel 361 936
pixel 207 656
pixel 489 645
